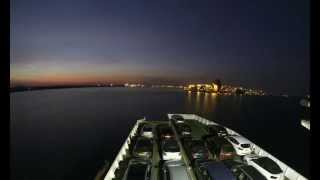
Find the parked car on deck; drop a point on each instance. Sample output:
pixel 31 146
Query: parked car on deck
pixel 165 131
pixel 170 149
pixel 177 118
pixel 138 169
pixel 184 129
pixel 147 131
pixel 196 149
pixel 217 130
pixel 174 170
pixel 220 148
pixel 246 172
pixel 266 166
pixel 243 171
pixel 212 170
pixel 241 145
pixel 143 148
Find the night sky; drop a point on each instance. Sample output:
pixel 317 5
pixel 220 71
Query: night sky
pixel 259 44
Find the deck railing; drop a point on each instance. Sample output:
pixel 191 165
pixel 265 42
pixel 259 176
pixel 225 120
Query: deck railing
pixel 111 172
pixel 289 173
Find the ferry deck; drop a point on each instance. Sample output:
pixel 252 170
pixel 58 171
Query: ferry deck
pixel 198 129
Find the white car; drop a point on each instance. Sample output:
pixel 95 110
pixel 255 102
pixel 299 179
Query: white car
pixel 241 145
pixel 177 118
pixel 266 166
pixel 147 131
pixel 170 150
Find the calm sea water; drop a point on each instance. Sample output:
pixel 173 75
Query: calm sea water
pixel 68 133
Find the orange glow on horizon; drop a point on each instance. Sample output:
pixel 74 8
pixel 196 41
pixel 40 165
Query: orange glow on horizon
pixel 54 79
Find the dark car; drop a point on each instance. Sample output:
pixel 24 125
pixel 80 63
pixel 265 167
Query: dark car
pixel 196 149
pixel 217 130
pixel 184 129
pixel 165 131
pixel 143 148
pixel 209 170
pixel 138 169
pixel 177 118
pixel 219 147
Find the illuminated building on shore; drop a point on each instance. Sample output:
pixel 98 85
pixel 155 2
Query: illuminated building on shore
pixel 202 87
pixel 224 90
pixel 134 85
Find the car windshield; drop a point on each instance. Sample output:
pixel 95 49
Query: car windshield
pixel 255 174
pixel 177 117
pixel 143 143
pixel 137 171
pixel 220 129
pixel 147 129
pixel 171 146
pixel 245 145
pixel 268 165
pixel 233 140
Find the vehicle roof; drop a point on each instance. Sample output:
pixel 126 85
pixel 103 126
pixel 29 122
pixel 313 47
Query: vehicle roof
pixel 241 140
pixel 169 141
pixel 182 125
pixel 218 170
pixel 178 170
pixel 252 172
pixel 252 156
pixel 137 171
pixel 141 141
pixel 217 127
pixel 139 160
pixel 177 116
pixel 268 164
pixel 174 163
pixel 147 126
pixel 141 138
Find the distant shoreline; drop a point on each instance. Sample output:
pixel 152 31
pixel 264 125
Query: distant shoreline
pixel 25 89
pixel 22 89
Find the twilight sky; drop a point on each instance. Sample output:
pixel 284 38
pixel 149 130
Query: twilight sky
pixel 259 44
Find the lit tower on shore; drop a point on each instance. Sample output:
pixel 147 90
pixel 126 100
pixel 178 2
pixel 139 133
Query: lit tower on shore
pixel 218 83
